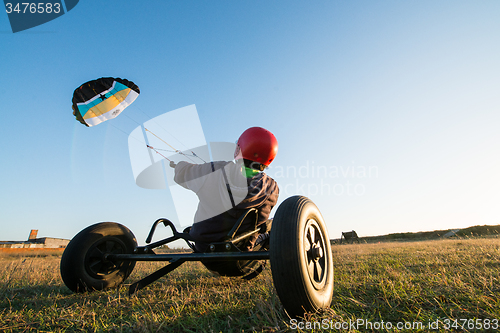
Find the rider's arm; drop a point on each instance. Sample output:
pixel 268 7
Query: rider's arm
pixel 192 176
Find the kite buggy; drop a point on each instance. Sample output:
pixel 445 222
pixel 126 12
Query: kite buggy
pixel 103 255
pixel 296 241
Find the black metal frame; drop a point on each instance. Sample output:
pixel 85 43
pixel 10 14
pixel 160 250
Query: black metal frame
pixel 225 250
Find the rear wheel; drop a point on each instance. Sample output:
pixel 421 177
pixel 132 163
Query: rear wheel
pixel 84 266
pixel 301 257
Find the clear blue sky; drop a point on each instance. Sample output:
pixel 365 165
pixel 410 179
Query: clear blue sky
pixel 405 93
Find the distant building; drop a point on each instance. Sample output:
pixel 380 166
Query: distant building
pixel 349 237
pixel 35 243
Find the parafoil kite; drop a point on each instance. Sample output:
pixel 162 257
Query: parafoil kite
pixel 99 100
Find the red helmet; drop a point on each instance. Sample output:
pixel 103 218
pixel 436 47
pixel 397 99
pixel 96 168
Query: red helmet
pixel 258 145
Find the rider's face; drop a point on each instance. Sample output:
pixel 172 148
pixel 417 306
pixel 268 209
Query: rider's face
pixel 237 153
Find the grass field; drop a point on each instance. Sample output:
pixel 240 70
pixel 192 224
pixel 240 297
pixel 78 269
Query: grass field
pixel 377 286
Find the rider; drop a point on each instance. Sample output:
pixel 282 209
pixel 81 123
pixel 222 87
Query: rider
pixel 227 189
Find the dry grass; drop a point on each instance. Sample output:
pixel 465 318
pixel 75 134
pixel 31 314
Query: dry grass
pixel 394 282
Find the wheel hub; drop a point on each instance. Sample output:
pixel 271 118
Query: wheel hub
pixel 316 264
pixel 97 263
pixel 316 252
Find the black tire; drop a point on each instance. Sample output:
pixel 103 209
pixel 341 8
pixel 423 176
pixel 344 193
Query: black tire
pixel 83 267
pixel 301 257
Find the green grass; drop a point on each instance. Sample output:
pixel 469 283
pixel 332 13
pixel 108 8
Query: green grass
pixel 423 281
pixel 393 282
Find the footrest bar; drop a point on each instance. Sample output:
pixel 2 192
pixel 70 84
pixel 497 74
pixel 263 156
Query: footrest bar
pixel 154 276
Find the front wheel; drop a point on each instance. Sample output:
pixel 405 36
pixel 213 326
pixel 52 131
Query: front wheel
pixel 301 257
pixel 84 266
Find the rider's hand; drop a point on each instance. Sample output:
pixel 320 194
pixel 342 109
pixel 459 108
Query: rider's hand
pixel 172 164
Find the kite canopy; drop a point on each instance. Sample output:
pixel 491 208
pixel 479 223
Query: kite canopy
pixel 99 100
